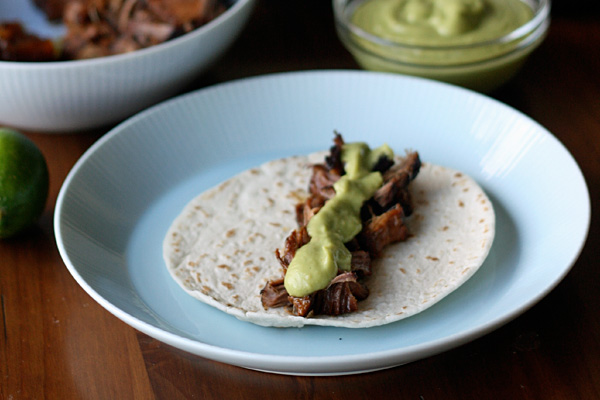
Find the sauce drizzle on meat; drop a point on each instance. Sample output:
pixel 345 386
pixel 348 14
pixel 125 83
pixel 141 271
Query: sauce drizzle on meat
pixel 383 223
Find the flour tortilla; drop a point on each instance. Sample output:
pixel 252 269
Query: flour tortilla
pixel 220 249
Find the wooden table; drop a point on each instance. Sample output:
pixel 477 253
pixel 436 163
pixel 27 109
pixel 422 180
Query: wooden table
pixel 57 343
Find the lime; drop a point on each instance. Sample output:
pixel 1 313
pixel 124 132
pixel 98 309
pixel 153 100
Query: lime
pixel 23 182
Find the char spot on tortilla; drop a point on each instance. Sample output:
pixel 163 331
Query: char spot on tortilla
pixel 232 200
pixel 297 195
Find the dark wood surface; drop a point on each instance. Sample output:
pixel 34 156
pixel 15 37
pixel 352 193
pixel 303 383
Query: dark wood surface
pixel 57 343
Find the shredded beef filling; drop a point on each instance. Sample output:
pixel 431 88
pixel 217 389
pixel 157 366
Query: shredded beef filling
pixel 383 223
pixel 18 45
pixel 97 28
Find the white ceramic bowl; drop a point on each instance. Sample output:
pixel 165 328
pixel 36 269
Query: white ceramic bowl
pixel 65 96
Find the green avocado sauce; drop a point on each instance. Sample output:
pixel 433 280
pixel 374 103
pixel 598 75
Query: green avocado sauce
pixel 464 42
pixel 441 22
pixel 338 221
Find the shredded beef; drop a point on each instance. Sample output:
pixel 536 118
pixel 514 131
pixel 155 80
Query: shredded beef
pixel 186 14
pixel 18 45
pixel 340 297
pixel 334 160
pixel 322 180
pixel 326 174
pixel 301 306
pixel 293 242
pixel 383 223
pixel 274 294
pixel 383 164
pixel 52 8
pixel 306 210
pixel 411 165
pixel 97 28
pixel 395 188
pixel 391 191
pixel 382 230
pixel 361 263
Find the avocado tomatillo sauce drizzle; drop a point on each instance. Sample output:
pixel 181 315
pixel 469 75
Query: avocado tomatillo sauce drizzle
pixel 337 222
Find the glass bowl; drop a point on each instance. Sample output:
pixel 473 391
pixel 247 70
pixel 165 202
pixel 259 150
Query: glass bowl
pixel 481 65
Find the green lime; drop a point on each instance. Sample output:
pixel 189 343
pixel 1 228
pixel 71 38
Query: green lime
pixel 23 182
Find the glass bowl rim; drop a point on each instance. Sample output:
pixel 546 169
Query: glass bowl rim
pixel 540 18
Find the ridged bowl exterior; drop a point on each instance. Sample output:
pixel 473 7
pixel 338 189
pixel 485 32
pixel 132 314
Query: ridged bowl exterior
pixel 85 94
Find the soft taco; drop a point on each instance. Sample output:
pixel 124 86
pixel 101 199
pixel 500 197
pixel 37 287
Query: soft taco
pixel 236 246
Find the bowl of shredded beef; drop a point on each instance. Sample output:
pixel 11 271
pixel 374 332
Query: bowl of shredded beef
pixel 111 58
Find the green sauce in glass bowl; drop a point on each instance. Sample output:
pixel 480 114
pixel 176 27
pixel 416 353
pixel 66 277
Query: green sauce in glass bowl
pixel 479 44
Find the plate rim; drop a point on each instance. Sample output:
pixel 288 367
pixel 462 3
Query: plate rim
pixel 273 363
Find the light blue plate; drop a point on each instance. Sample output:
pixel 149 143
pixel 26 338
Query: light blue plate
pixel 121 196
